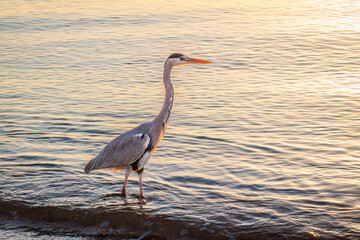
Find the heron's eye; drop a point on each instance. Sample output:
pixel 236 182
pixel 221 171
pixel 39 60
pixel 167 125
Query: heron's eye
pixel 182 58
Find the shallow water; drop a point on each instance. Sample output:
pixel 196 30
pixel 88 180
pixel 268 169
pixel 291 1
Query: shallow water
pixel 263 143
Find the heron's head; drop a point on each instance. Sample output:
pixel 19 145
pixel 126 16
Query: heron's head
pixel 181 59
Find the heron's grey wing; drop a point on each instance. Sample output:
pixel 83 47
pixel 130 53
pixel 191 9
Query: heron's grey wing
pixel 120 152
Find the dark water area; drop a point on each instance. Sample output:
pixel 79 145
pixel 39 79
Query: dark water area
pixel 106 223
pixel 98 222
pixel 262 144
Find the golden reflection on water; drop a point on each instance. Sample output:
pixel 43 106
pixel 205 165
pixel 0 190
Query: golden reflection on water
pixel 272 126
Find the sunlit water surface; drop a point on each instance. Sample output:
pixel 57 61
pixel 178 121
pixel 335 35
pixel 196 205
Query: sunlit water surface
pixel 264 141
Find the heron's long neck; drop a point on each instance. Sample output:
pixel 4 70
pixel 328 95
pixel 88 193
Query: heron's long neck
pixel 162 119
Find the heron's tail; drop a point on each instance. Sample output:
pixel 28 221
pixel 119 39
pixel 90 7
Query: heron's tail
pixel 89 166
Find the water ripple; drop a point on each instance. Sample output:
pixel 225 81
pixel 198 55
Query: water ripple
pixel 262 144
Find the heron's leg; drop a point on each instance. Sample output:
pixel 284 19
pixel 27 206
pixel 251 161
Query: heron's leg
pixel 127 173
pixel 140 174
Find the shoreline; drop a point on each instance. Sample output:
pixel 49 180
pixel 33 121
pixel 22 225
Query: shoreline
pixel 103 223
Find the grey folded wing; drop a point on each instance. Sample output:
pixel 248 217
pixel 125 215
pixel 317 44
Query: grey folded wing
pixel 120 152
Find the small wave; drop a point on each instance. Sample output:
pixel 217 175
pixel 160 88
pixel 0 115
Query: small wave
pixel 43 165
pixel 326 203
pixel 212 138
pixel 225 142
pixel 263 148
pixel 18 132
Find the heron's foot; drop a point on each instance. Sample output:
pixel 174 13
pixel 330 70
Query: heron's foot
pixel 142 198
pixel 123 194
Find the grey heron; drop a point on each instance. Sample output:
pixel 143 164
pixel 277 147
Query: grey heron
pixel 131 150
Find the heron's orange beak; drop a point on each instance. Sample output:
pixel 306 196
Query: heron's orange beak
pixel 194 60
